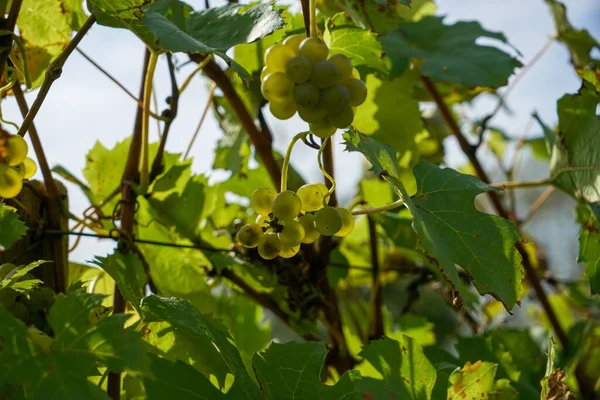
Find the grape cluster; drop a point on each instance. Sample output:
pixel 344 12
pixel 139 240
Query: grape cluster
pixel 14 164
pixel 301 76
pixel 287 219
pixel 28 307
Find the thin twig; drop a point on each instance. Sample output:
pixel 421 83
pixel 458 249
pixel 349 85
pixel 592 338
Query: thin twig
pixel 376 329
pixel 199 68
pixel 53 73
pixel 328 164
pixel 209 100
pixel 537 204
pixel 524 184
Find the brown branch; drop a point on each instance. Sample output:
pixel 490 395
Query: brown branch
pixel 306 13
pixel 171 114
pixel 8 24
pixel 128 201
pixel 55 208
pixel 53 72
pixel 260 141
pixel 376 329
pixel 264 301
pixel 328 165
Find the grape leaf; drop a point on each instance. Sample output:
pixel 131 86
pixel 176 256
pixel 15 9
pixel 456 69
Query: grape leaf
pixel 128 272
pixel 11 227
pixel 15 280
pixel 381 156
pixel 575 162
pixel 589 246
pixel 293 371
pixel 187 319
pixel 79 344
pixel 360 45
pixel 477 381
pixel 449 52
pixel 406 372
pixel 579 41
pixel 397 125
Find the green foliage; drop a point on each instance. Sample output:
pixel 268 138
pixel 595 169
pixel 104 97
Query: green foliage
pixel 18 280
pixel 12 227
pixel 476 381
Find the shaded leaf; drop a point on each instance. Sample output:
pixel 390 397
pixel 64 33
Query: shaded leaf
pixel 381 156
pixel 12 227
pixel 15 279
pixel 589 246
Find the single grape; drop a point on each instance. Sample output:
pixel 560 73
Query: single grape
pixel 306 95
pixel 30 168
pixel 264 72
pixel 18 150
pixel 298 69
pixel 347 224
pixel 270 246
pixel 47 295
pixel 289 252
pixel 342 119
pixel 310 232
pixel 328 221
pixel 312 196
pixel 262 200
pixel 20 170
pixel 322 129
pixel 287 205
pixel 294 41
pixel 263 220
pixel 355 74
pixel 344 65
pixel 5 270
pixel 314 49
pixel 335 98
pixel 276 86
pixel 292 233
pixel 250 235
pixel 277 56
pixel 11 182
pixel 357 90
pixel 33 301
pixel 312 114
pixel 283 109
pixel 324 74
pixel 19 311
pixel 8 296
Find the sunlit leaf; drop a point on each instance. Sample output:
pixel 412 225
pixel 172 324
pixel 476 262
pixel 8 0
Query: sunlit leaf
pixel 12 227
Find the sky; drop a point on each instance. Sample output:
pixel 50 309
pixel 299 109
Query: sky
pixel 83 107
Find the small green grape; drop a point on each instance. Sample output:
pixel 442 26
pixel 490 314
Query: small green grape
pixel 11 182
pixel 294 41
pixel 322 129
pixel 263 220
pixel 283 109
pixel 312 196
pixel 277 56
pixel 270 246
pixel 5 270
pixel 264 72
pixel 20 170
pixel 30 168
pixel 289 252
pixel 287 205
pixel 8 296
pixel 344 65
pixel 19 311
pixel 298 69
pixel 33 301
pixel 312 114
pixel 292 233
pixel 324 74
pixel 310 232
pixel 342 119
pixel 47 295
pixel 328 221
pixel 357 90
pixel 262 201
pixel 276 86
pixel 18 150
pixel 250 235
pixel 347 222
pixel 306 95
pixel 335 98
pixel 314 49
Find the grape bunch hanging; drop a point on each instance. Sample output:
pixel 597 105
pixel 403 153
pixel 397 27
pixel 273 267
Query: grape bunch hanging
pixel 301 76
pixel 287 219
pixel 14 164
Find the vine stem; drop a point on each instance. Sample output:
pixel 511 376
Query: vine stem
pixel 199 68
pixel 313 18
pixel 375 210
pixel 145 173
pixel 320 158
pixel 376 329
pixel 525 184
pixel 286 160
pixel 53 73
pixel 9 24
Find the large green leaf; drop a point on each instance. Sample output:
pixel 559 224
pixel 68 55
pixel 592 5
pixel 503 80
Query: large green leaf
pixel 11 227
pixel 182 315
pixel 360 45
pixel 390 114
pixel 293 371
pixel 60 370
pixel 477 381
pixel 575 162
pixel 128 272
pixel 381 156
pixel 406 373
pixel 449 52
